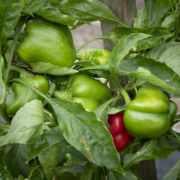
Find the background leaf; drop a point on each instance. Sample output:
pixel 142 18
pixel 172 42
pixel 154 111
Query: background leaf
pixel 101 111
pixel 48 160
pixel 141 20
pixel 173 174
pixel 90 10
pixel 99 72
pixel 169 22
pixel 27 125
pixel 158 36
pixel 4 174
pixel 48 139
pixel 167 53
pixel 150 150
pixel 9 15
pixel 47 68
pixel 87 173
pixel 35 172
pixel 15 158
pixel 156 8
pixel 116 176
pixel 49 10
pixel 148 69
pixel 69 172
pixel 123 47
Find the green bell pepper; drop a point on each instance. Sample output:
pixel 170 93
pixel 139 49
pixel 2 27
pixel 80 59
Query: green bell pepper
pixel 47 43
pixel 150 114
pixel 19 94
pixel 99 56
pixel 83 89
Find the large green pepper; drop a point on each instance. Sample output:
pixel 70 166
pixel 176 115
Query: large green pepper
pixel 83 89
pixel 19 94
pixel 99 56
pixel 150 114
pixel 48 43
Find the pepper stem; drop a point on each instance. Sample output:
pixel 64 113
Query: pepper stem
pixel 126 96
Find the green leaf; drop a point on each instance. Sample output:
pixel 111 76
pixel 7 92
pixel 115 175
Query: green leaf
pixel 150 150
pixel 77 157
pixel 88 173
pixel 2 163
pixel 141 20
pixel 10 14
pixel 150 70
pixel 167 53
pixel 27 125
pixel 2 86
pixel 4 174
pixel 123 47
pixel 174 173
pixel 90 10
pixel 15 158
pixel 169 22
pixel 45 141
pixel 68 172
pixel 49 10
pixel 48 160
pixel 167 143
pixel 101 111
pixel 155 9
pixel 158 36
pixel 79 128
pixel 35 172
pixel 116 176
pixel 20 178
pixel 99 72
pixel 116 109
pixel 47 68
pixel 63 148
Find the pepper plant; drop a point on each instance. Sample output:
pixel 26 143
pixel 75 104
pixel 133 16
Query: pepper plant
pixel 56 109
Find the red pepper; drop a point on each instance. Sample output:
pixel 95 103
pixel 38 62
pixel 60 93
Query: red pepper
pixel 118 131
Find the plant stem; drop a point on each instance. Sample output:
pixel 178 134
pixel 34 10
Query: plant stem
pixel 172 8
pixel 176 35
pixel 17 32
pixel 126 96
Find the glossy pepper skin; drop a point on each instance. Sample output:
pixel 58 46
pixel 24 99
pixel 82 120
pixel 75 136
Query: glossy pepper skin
pixel 83 89
pixel 19 94
pixel 99 56
pixel 118 131
pixel 47 42
pixel 149 115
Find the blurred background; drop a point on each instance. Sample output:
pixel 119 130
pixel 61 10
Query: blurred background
pixel 85 33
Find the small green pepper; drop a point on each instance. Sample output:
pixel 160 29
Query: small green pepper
pixel 19 94
pixel 83 89
pixel 99 56
pixel 150 114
